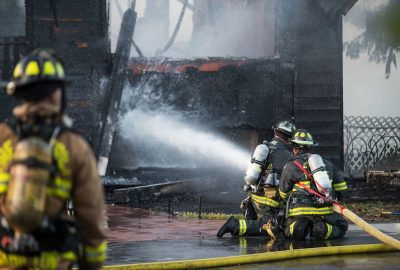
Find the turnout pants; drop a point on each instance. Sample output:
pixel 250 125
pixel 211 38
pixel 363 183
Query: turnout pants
pixel 256 216
pixel 332 226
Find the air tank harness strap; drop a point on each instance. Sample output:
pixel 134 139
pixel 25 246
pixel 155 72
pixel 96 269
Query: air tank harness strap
pixel 309 176
pixel 314 192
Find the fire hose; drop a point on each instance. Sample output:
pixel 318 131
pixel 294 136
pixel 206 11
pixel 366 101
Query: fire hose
pixel 338 208
pixel 255 258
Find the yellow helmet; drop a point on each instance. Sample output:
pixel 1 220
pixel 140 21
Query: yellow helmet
pixel 40 66
pixel 302 138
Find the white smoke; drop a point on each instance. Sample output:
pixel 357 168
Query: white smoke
pixel 229 29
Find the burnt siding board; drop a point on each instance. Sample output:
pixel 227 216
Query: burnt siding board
pixel 321 65
pixel 322 91
pixel 317 78
pixel 316 47
pixel 78 31
pixel 318 103
pixel 232 96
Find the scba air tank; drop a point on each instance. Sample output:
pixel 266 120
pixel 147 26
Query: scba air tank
pixel 258 162
pixel 29 175
pixel 320 174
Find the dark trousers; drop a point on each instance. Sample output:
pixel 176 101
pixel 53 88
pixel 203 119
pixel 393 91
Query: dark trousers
pixel 332 226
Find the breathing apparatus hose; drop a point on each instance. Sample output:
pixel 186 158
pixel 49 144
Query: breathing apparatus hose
pixel 255 258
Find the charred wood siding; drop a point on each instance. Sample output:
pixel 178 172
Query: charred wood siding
pixel 311 37
pixel 11 49
pixel 78 31
pixel 235 97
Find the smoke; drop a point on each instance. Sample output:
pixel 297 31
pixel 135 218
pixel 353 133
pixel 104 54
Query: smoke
pixel 209 29
pixel 160 136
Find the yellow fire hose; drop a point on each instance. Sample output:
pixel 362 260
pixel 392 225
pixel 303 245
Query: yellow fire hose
pixel 255 258
pixel 366 227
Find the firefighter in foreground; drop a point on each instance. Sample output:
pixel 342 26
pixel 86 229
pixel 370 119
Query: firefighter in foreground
pixel 262 206
pixel 306 213
pixel 43 163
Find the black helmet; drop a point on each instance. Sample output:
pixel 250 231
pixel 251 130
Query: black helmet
pixel 286 127
pixel 302 138
pixel 38 68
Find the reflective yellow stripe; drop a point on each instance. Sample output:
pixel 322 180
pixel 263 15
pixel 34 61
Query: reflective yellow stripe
pixel 60 70
pixel 4 180
pixel 96 254
pixel 70 255
pixel 306 183
pixel 291 228
pixel 17 71
pixel 49 260
pixel 283 195
pixel 329 230
pixel 6 155
pixel 49 68
pixel 32 69
pixel 243 245
pixel 310 211
pixel 340 186
pixel 264 200
pixel 242 227
pixel 61 156
pixel 60 188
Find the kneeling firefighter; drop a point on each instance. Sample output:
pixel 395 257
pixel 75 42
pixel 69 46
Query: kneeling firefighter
pixel 43 163
pixel 306 213
pixel 261 207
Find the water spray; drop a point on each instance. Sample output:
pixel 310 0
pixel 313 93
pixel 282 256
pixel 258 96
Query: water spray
pixel 178 143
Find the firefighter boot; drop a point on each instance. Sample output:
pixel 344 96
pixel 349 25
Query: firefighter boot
pixel 230 226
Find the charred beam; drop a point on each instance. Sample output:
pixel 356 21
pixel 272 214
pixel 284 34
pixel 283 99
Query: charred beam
pixel 115 87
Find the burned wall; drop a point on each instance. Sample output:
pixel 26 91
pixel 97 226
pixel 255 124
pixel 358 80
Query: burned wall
pixel 311 37
pixel 78 31
pixel 12 46
pixel 305 85
pixel 236 98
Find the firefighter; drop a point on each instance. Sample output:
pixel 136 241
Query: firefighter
pixel 307 213
pixel 44 163
pixel 262 206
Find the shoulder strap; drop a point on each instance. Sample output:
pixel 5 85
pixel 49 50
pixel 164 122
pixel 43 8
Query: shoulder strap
pixel 303 169
pixel 309 176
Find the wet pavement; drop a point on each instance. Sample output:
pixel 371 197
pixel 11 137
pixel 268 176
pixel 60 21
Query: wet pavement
pixel 138 235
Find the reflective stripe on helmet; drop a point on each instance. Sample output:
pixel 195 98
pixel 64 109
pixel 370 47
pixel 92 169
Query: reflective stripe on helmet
pixel 32 69
pixel 60 70
pixel 17 70
pixel 49 69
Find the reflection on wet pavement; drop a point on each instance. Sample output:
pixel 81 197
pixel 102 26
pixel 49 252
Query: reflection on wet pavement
pixel 138 235
pixel 132 224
